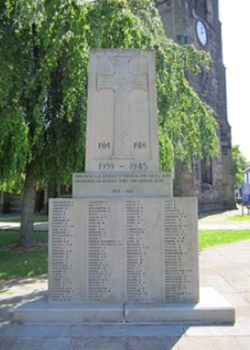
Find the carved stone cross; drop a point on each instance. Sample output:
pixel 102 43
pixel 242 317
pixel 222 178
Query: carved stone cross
pixel 122 81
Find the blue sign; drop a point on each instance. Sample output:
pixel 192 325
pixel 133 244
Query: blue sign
pixel 245 192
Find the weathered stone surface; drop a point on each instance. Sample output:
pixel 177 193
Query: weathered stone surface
pixel 42 312
pixel 40 343
pixel 135 249
pixel 122 128
pixel 212 308
pixel 5 343
pixel 89 185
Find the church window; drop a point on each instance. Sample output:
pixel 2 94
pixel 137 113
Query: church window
pixel 206 172
pixel 201 7
pixel 181 39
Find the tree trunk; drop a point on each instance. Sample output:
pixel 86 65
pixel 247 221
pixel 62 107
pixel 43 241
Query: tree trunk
pixel 28 206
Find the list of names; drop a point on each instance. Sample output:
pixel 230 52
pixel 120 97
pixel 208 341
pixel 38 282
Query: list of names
pixel 61 284
pixel 127 249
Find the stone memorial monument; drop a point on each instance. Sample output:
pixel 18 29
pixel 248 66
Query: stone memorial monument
pixel 123 249
pixel 123 237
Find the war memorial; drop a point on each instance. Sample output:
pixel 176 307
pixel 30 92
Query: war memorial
pixel 123 249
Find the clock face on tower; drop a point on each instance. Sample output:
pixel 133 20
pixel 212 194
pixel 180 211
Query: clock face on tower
pixel 201 33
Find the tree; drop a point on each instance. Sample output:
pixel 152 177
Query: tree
pixel 43 88
pixel 239 162
pixel 43 97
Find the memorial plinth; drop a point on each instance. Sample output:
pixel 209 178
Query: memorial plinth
pixel 123 248
pixel 211 309
pixel 127 249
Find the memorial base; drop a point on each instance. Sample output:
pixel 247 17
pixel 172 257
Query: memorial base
pixel 212 309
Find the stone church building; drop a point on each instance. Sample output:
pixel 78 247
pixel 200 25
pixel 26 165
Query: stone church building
pixel 197 22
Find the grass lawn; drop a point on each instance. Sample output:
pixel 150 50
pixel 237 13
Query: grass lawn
pixel 212 238
pixel 239 218
pixel 38 218
pixel 16 262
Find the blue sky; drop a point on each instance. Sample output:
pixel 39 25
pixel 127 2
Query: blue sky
pixel 234 16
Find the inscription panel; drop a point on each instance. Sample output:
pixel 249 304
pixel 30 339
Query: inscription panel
pixel 67 263
pixel 122 185
pixel 144 266
pixel 105 251
pixel 122 127
pixel 134 249
pixel 180 250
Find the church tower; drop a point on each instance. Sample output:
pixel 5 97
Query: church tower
pixel 197 22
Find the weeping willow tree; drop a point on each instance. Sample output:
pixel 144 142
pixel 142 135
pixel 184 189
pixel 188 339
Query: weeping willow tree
pixel 44 47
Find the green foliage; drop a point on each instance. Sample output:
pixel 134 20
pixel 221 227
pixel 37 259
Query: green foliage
pixel 21 264
pixel 239 218
pixel 239 162
pixel 212 238
pixel 37 219
pixel 12 237
pixel 16 262
pixel 43 89
pixel 44 49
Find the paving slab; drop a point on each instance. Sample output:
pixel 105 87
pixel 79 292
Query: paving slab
pixel 124 343
pixel 209 343
pixel 246 296
pixel 237 299
pixel 39 343
pixel 155 337
pixel 6 342
pixel 126 330
pixel 240 328
pixel 243 342
pixel 33 330
pixel 218 282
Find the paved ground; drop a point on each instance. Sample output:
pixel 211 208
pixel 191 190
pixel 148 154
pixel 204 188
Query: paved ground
pixel 5 225
pixel 225 267
pixel 220 221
